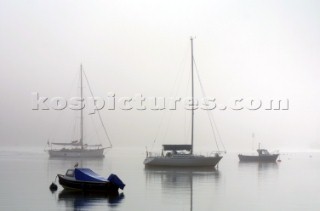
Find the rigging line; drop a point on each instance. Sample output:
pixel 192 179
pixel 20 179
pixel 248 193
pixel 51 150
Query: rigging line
pixel 204 95
pixel 212 121
pixel 185 125
pixel 104 128
pixel 174 93
pixel 95 129
pixel 70 125
pixel 158 130
pixel 74 128
pixel 58 117
pixel 162 119
pixel 211 117
pixel 72 138
pixel 171 113
pixel 186 128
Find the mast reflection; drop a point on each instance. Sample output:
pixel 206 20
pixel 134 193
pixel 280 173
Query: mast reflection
pixel 175 180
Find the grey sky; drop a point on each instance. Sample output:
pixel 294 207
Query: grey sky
pixel 259 49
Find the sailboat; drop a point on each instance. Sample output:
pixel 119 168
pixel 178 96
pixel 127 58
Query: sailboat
pixel 182 155
pixel 78 148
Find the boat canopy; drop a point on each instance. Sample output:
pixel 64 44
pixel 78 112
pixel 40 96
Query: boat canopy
pixel 177 147
pixel 73 143
pixel 86 174
pixel 93 145
pixel 76 144
pixel 116 180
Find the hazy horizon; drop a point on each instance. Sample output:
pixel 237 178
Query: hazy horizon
pixel 248 49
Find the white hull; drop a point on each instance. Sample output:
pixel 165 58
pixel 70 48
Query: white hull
pixel 182 161
pixel 76 153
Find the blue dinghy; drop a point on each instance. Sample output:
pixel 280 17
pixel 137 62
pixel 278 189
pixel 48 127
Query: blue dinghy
pixel 84 179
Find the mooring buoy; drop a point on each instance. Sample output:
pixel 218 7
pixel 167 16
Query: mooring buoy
pixel 53 187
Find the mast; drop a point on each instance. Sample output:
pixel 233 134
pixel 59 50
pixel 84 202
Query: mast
pixel 81 109
pixel 192 97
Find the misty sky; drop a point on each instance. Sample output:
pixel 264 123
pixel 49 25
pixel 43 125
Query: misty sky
pixel 243 49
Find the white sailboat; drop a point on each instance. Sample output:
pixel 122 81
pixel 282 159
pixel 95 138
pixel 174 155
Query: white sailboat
pixel 78 148
pixel 182 155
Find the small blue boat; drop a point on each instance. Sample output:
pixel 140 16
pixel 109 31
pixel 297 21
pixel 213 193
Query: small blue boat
pixel 84 179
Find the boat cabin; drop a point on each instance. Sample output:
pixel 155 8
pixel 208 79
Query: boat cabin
pixel 70 173
pixel 176 149
pixel 263 152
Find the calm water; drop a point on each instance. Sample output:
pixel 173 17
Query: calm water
pixel 292 184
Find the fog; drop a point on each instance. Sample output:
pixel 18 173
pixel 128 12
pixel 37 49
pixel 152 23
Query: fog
pixel 243 49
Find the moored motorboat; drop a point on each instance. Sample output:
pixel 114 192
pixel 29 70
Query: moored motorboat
pixel 84 179
pixel 263 156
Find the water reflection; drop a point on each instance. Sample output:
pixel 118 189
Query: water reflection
pixel 179 183
pixel 263 169
pixel 266 173
pixel 84 201
pixel 267 166
pixel 261 166
pixel 179 177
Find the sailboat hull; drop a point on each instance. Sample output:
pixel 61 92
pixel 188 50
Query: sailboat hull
pixel 76 153
pixel 182 161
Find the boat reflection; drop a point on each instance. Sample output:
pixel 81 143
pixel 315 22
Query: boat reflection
pixel 81 200
pixel 261 166
pixel 266 172
pixel 179 177
pixel 180 182
pixel 267 166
